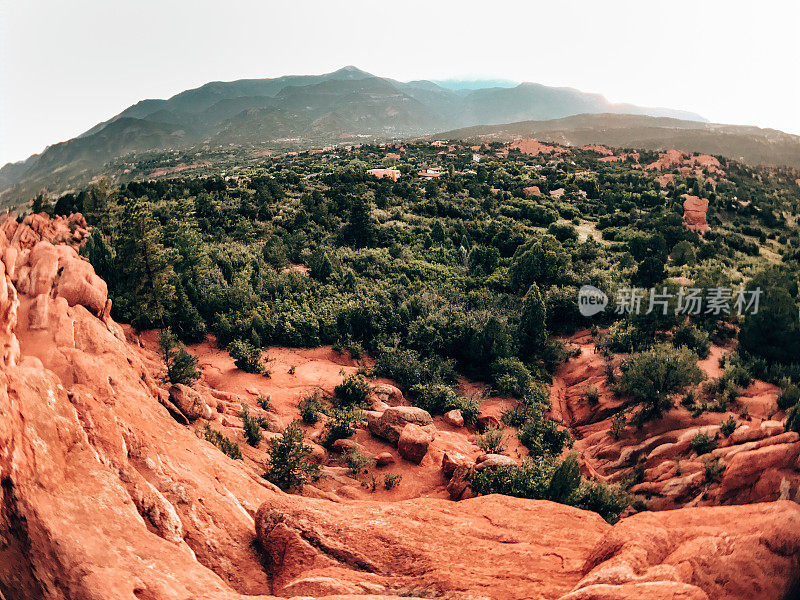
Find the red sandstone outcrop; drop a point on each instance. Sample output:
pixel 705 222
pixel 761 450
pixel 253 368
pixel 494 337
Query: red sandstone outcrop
pixel 534 147
pixel 694 213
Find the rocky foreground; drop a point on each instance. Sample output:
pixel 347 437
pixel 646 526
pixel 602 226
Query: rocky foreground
pixel 106 495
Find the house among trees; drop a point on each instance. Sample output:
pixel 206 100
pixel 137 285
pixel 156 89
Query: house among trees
pixel 393 174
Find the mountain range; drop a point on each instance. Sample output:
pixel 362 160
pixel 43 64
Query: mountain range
pixel 309 110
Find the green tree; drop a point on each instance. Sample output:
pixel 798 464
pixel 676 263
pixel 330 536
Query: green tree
pixel 289 465
pixel 144 265
pixel 774 331
pixel 181 366
pixel 651 377
pixel 532 331
pixel 360 230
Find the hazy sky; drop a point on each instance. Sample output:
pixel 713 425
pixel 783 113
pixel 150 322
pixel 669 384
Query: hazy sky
pixel 68 64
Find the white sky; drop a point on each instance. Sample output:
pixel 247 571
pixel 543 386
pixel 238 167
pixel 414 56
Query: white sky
pixel 65 65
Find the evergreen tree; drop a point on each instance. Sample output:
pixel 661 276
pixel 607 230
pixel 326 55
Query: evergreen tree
pixel 289 464
pixel 181 366
pixel 532 330
pixel 360 230
pixel 145 266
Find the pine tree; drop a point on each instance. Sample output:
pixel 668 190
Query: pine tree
pixel 145 266
pixel 360 230
pixel 289 465
pixel 533 322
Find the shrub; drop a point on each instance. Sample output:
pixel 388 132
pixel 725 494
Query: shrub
pixel 223 443
pixel 793 419
pixel 353 391
pixel 512 378
pixel 651 377
pixel 728 426
pixel 341 424
pixel 713 469
pixel 391 480
pixel 491 441
pixel 702 443
pixel 693 338
pixel 181 366
pixel 530 479
pixel 592 395
pixel 357 462
pixel 438 398
pixel 547 479
pixel 607 500
pixel 310 407
pixel 264 402
pixel 618 422
pixel 247 357
pixel 251 427
pixel 789 397
pixel 542 437
pixel 517 416
pixel 289 464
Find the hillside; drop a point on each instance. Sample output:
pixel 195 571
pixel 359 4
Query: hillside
pixel 752 145
pixel 380 383
pixel 304 111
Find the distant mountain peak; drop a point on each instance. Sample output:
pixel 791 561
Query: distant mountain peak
pixel 352 72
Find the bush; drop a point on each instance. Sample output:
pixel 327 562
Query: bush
pixel 728 426
pixel 181 366
pixel 247 357
pixel 512 378
pixel 618 422
pixel 341 424
pixel 793 419
pixel 358 463
pixel 713 469
pixel 391 480
pixel 491 441
pixel 264 402
pixel 353 391
pixel 547 479
pixel 438 398
pixel 541 436
pixel 592 395
pixel 789 397
pixel 651 377
pixel 252 426
pixel 693 338
pixel 220 441
pixel 289 464
pixel 702 443
pixel 310 407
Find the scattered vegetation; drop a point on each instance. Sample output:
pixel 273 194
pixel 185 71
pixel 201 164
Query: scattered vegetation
pixel 492 441
pixel 227 446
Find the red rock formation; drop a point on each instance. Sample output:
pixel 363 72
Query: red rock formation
pixel 598 149
pixel 104 494
pixel 694 213
pixel 534 147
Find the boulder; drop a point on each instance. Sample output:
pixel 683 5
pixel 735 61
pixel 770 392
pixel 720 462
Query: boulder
pixel 388 394
pixel 454 418
pixel 188 401
pixel 452 460
pixel 345 445
pixel 413 442
pixel 390 423
pixel 494 461
pixel 78 284
pixel 384 458
pixel 459 482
